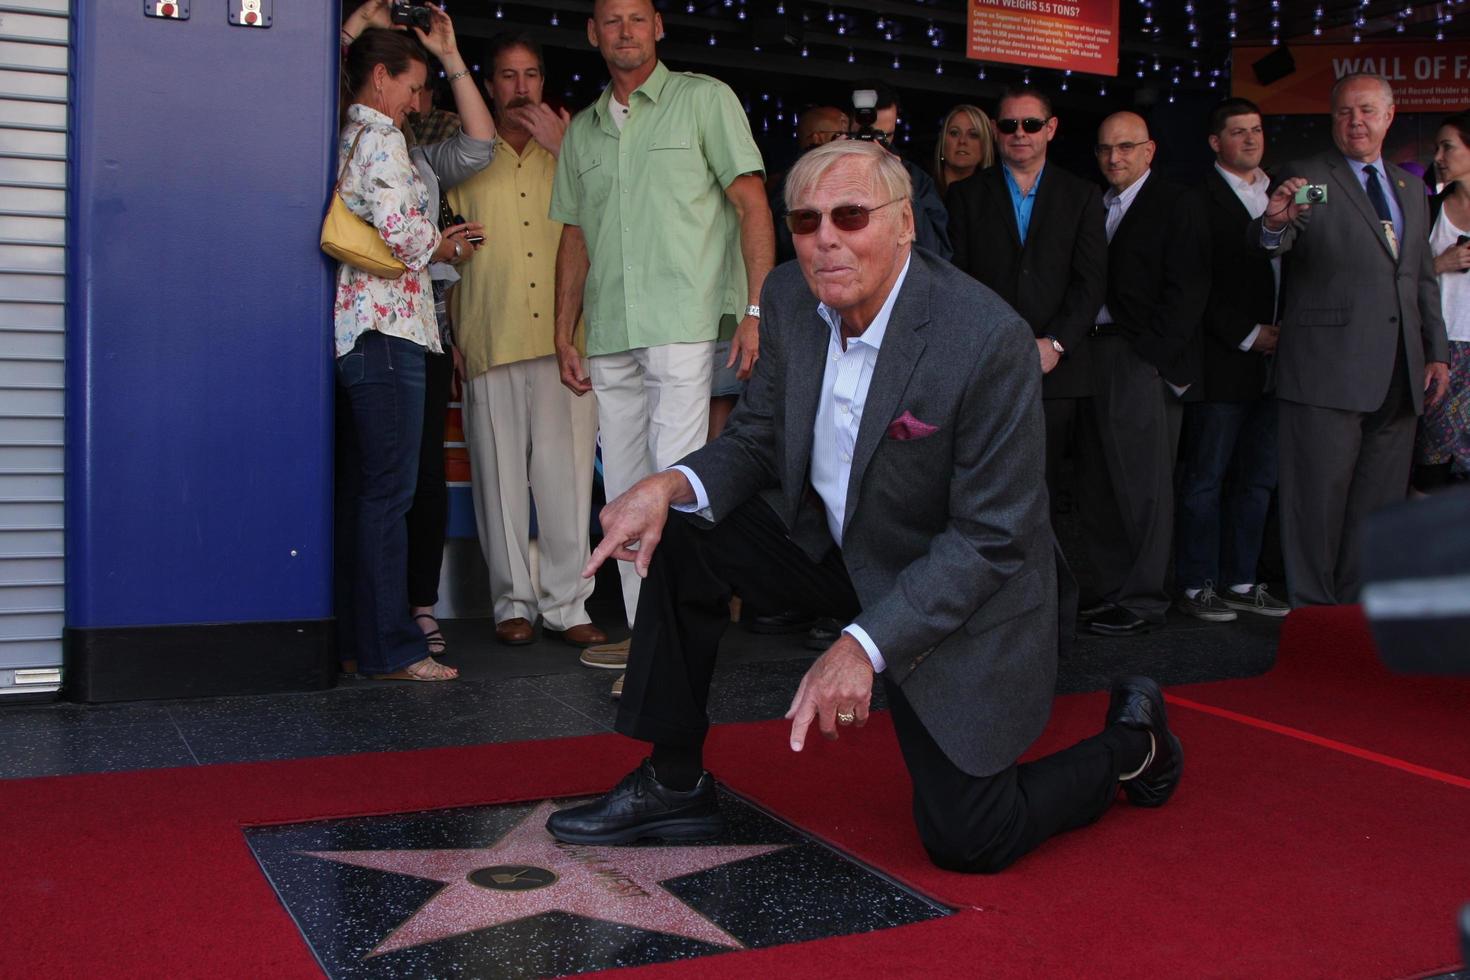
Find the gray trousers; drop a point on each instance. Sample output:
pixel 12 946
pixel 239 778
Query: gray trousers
pixel 1130 434
pixel 1337 467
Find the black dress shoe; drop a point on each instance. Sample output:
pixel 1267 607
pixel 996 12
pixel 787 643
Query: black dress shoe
pixel 1117 621
pixel 1093 611
pixel 1138 703
pixel 788 621
pixel 638 807
pixel 823 634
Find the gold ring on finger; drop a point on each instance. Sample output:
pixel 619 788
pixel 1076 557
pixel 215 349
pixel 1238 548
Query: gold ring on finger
pixel 846 717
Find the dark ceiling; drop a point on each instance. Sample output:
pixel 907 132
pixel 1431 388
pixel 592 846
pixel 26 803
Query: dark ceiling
pixel 781 54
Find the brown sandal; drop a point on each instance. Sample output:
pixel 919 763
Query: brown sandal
pixel 427 669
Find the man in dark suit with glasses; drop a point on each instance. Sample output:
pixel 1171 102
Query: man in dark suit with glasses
pixel 1033 232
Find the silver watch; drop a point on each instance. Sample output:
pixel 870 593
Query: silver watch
pixel 753 310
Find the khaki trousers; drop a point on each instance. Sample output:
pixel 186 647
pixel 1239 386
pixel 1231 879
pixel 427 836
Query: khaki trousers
pixel 525 430
pixel 653 410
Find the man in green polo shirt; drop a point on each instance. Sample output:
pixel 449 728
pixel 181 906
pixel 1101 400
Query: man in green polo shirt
pixel 660 192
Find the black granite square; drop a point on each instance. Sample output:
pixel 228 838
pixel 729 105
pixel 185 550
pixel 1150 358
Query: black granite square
pixel 485 891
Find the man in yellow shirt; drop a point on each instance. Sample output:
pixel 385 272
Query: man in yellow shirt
pixel 521 425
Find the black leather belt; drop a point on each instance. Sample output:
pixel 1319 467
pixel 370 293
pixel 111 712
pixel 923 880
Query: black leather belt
pixel 1104 330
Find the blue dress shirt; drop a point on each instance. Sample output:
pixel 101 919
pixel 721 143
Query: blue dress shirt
pixel 1022 205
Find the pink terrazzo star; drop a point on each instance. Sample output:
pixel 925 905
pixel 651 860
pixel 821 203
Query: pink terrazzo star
pixel 614 884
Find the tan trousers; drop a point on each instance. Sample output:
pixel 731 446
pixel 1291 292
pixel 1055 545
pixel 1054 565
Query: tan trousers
pixel 525 429
pixel 653 410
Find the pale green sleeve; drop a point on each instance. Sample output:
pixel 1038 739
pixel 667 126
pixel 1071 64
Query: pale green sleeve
pixel 566 195
pixel 728 145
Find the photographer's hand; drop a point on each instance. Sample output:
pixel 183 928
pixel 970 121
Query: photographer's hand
pixel 457 235
pixel 440 40
pixel 1281 209
pixel 373 13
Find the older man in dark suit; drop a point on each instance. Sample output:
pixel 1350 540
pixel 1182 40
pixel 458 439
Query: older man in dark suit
pixel 1033 232
pixel 1363 346
pixel 885 467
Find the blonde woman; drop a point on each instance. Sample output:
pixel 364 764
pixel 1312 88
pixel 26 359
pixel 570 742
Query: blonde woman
pixel 966 145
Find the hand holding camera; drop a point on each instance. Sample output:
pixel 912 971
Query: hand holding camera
pixel 411 14
pixel 459 241
pixel 1291 200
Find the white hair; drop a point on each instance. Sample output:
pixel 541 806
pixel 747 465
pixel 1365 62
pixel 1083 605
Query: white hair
pixel 889 176
pixel 1362 76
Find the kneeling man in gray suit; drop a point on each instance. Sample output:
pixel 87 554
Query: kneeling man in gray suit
pixel 884 467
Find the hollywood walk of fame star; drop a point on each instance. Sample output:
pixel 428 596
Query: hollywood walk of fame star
pixel 526 873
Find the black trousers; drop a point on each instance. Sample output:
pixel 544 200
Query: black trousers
pixel 429 515
pixel 1128 444
pixel 966 823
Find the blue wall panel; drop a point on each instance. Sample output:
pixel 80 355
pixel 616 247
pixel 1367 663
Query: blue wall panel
pixel 199 360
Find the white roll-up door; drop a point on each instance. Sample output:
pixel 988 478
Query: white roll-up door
pixel 33 138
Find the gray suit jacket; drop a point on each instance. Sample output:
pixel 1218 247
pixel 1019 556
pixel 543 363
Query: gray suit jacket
pixel 1346 301
pixel 946 537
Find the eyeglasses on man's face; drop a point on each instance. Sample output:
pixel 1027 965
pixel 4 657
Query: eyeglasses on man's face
pixel 1103 149
pixel 847 217
pixel 1030 124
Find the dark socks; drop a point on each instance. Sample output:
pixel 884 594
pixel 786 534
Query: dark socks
pixel 679 766
pixel 1130 747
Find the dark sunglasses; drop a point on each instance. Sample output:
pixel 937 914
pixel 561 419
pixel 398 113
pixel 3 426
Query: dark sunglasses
pixel 1030 124
pixel 847 217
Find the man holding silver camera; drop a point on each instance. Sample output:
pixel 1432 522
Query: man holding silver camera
pixel 1362 348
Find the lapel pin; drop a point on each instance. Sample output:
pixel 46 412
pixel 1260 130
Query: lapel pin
pixel 1401 185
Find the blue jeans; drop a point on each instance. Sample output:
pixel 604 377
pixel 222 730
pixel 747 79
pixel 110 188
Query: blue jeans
pixel 1228 476
pixel 382 381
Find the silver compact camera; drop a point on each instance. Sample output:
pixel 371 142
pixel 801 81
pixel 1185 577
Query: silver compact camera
pixel 1311 194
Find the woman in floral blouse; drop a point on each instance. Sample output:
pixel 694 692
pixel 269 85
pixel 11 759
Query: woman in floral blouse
pixel 382 329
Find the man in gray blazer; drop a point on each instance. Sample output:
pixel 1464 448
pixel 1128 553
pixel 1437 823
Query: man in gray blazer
pixel 1362 347
pixel 884 467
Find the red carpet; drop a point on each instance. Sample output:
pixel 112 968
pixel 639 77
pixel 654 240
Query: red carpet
pixel 1329 681
pixel 1276 858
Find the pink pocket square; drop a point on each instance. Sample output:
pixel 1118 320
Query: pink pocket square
pixel 908 427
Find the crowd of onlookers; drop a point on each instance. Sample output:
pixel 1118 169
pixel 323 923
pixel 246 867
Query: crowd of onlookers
pixel 597 277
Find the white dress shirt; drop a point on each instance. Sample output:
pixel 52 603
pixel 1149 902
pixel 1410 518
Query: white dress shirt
pixel 847 373
pixel 1254 194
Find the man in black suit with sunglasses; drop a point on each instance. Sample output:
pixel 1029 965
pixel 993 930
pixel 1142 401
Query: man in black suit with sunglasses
pixel 1033 232
pixel 884 467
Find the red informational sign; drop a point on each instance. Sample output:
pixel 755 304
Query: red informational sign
pixel 1078 34
pixel 1426 76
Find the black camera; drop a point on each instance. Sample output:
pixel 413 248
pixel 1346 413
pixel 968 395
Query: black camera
pixel 865 117
pixel 412 14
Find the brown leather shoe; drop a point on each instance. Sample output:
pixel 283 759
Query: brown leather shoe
pixel 515 632
pixel 586 635
pixel 608 656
